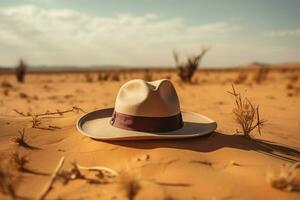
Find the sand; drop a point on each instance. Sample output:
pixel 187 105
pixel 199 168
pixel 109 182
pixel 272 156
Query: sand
pixel 223 165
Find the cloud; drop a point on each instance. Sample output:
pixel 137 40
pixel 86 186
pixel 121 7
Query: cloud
pixel 285 33
pixel 65 36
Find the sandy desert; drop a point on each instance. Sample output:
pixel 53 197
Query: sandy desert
pixel 222 165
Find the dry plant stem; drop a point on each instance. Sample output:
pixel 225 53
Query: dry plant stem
pixel 246 114
pixel 36 120
pixel 49 185
pixel 58 112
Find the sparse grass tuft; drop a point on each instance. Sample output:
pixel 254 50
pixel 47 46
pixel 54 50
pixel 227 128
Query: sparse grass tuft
pixel 246 114
pixel 288 178
pixel 20 140
pixel 130 184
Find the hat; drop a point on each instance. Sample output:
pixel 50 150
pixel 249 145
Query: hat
pixel 145 110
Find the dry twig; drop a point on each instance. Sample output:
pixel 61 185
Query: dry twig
pixel 49 185
pixel 36 118
pixel 103 174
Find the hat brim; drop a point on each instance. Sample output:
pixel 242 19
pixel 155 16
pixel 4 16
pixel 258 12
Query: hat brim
pixel 96 125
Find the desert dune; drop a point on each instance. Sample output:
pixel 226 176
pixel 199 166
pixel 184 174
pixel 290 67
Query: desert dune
pixel 222 165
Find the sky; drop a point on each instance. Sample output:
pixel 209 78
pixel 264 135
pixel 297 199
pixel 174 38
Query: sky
pixel 146 32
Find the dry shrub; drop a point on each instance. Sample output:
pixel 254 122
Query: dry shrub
pixel 288 178
pixel 147 75
pixel 129 182
pixel 246 114
pixel 115 76
pixel 21 71
pixel 102 76
pixel 6 84
pixel 294 78
pixel 23 95
pixel 188 69
pixel 19 161
pixel 8 180
pixel 88 77
pixel 261 74
pixel 242 77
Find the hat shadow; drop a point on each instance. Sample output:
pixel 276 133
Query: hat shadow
pixel 215 141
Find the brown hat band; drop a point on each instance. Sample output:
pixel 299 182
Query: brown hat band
pixel 147 124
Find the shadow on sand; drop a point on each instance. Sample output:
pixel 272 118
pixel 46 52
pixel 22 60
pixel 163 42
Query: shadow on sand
pixel 216 141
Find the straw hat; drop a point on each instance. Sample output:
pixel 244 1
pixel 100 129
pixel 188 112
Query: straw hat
pixel 145 110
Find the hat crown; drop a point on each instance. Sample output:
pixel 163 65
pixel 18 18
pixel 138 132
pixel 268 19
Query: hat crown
pixel 148 99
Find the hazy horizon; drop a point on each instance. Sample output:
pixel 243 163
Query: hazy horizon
pixel 144 33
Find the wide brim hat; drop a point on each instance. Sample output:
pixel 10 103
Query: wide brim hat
pixel 145 110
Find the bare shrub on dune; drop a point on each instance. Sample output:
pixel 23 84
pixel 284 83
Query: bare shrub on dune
pixel 246 114
pixel 8 180
pixel 21 71
pixel 242 77
pixel 130 184
pixel 288 178
pixel 261 73
pixel 187 70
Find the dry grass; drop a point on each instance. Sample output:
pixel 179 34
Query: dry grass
pixel 130 184
pixel 288 178
pixel 246 114
pixel 187 70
